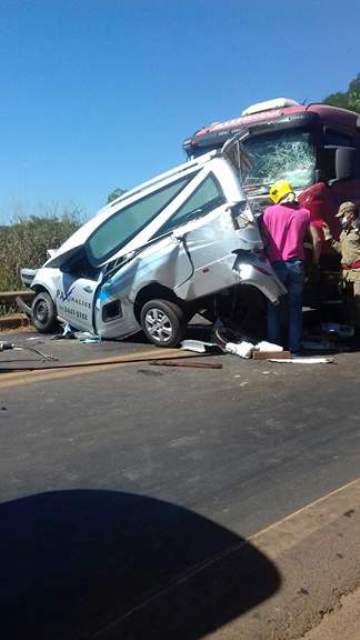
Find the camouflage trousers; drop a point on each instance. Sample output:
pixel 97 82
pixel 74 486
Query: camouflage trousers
pixel 352 280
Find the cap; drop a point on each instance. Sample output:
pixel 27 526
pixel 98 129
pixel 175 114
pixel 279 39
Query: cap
pixel 346 207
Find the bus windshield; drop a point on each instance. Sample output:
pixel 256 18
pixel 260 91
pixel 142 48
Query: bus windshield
pixel 283 154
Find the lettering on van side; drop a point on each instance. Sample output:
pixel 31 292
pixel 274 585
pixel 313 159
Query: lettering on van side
pixel 62 297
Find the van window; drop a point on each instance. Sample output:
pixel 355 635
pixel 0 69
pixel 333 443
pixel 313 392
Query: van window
pixel 207 196
pixel 126 223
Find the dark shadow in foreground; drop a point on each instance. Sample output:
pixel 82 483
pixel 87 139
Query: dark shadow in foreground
pixel 102 564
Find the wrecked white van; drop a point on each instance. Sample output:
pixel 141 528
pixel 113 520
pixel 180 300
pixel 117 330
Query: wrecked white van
pixel 156 256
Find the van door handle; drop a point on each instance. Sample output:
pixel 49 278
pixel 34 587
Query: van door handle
pixel 88 289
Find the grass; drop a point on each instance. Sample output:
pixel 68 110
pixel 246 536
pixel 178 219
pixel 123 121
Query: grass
pixel 24 243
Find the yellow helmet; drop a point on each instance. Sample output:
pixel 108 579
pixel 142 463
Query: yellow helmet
pixel 279 190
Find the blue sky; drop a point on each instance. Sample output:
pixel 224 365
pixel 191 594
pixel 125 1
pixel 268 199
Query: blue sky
pixel 98 94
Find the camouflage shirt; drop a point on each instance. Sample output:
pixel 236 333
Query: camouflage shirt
pixel 349 247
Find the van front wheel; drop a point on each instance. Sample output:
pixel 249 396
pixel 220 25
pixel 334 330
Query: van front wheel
pixel 163 322
pixel 44 313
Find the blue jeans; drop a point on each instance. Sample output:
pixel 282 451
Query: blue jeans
pixel 291 273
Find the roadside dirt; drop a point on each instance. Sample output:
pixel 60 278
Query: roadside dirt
pixel 343 622
pixel 14 323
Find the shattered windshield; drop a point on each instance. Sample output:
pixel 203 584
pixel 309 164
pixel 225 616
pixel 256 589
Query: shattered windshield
pixel 285 154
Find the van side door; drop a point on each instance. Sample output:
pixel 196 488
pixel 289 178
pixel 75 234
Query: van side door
pixel 77 287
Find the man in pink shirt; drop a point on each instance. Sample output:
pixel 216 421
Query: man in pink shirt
pixel 285 225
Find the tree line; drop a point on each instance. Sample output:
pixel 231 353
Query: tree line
pixel 349 99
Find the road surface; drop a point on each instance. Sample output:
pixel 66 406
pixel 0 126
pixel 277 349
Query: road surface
pixel 118 482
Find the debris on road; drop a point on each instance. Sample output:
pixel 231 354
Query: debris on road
pixel 304 360
pixel 6 346
pixel 93 364
pixel 261 351
pixel 243 349
pixel 265 346
pixel 69 333
pixel 268 355
pixel 231 342
pixel 199 346
pixel 11 346
pixel 190 365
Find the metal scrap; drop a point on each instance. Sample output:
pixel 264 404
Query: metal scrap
pixel 305 360
pixel 190 365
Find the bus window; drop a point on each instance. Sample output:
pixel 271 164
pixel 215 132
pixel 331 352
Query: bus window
pixel 337 138
pixel 286 154
pixel 327 163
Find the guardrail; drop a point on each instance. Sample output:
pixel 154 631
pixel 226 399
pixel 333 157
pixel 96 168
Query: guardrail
pixel 8 303
pixel 9 297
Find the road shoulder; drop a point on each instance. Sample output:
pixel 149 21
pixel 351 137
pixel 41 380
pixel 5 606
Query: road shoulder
pixel 315 551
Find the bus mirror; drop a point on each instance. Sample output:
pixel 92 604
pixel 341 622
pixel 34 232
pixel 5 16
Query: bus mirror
pixel 347 163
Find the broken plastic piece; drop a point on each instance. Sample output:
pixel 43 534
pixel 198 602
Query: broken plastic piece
pixel 199 346
pixel 222 335
pixel 268 346
pixel 85 337
pixel 243 349
pixel 68 331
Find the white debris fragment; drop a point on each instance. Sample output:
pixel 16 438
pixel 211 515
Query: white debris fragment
pixel 243 349
pixel 268 346
pixel 300 360
pixel 199 346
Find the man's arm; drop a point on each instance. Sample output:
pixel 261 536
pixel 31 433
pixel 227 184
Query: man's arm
pixel 316 243
pixel 335 244
pixel 264 231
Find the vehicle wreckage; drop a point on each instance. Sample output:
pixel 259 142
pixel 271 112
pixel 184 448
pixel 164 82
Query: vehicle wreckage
pixel 157 255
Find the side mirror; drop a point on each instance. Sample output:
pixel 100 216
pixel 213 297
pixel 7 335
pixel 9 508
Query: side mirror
pixel 347 163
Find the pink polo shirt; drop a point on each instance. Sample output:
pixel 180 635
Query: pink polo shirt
pixel 286 226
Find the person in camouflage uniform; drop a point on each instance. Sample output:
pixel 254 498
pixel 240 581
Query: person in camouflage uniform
pixel 348 246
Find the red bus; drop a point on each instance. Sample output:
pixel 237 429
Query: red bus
pixel 315 147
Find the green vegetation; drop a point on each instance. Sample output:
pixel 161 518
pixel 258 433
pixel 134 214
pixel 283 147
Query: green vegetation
pixel 115 194
pixel 349 99
pixel 24 243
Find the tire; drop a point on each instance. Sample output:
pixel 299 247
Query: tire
pixel 163 322
pixel 44 313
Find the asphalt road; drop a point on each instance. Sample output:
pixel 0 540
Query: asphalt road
pixel 118 485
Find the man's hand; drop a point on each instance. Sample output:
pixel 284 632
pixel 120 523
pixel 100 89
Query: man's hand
pixel 327 232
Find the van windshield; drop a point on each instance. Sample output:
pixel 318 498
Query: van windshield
pixel 127 222
pixel 282 154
